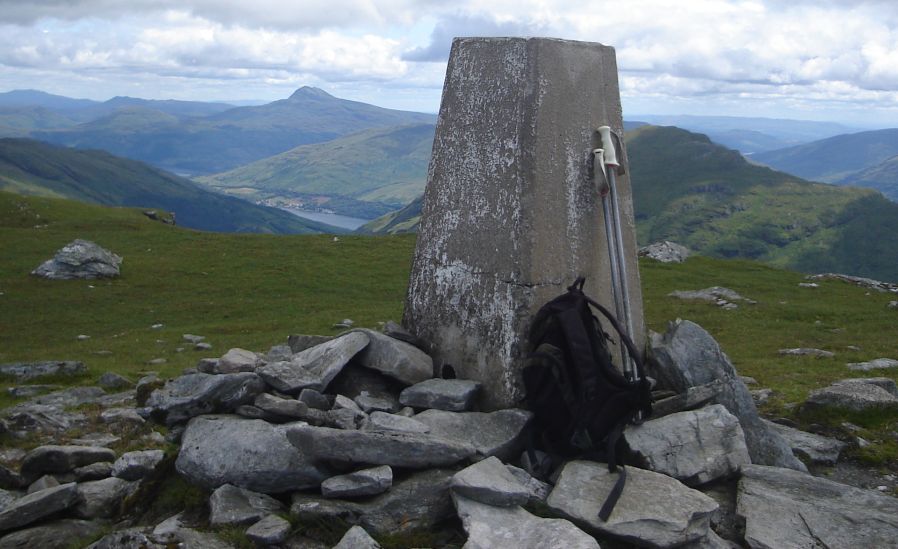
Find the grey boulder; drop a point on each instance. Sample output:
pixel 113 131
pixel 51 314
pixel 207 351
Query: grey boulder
pixel 314 367
pixel 80 259
pixel 25 371
pixel 498 433
pixel 36 506
pixel 365 482
pixel 856 397
pixel 195 394
pixel 395 448
pixel 693 447
pixel 103 498
pixel 814 448
pixel 654 510
pixel 453 395
pixel 271 530
pixel 687 356
pixel 382 421
pixel 395 358
pixel 875 364
pixel 237 360
pixel 249 453
pixel 58 534
pixel 490 527
pixel 356 538
pixel 784 508
pixel 62 459
pixel 665 252
pixel 232 506
pixel 489 481
pixel 137 465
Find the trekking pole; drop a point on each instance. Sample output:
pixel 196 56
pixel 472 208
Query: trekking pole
pixel 612 166
pixel 604 189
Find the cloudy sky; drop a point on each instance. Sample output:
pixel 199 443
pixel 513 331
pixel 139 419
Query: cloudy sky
pixel 819 60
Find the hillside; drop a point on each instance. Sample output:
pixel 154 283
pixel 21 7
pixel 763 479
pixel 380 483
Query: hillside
pixel 35 168
pixel 387 166
pixel 836 158
pixel 401 221
pixel 230 138
pixel 883 177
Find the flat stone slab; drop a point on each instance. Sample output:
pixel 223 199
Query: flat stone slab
pixel 249 453
pixel 382 421
pixel 316 366
pixel 231 505
pixel 815 448
pixel 784 508
pixel 34 507
pixel 196 394
pixel 62 459
pixel 394 448
pixel 271 530
pixel 856 397
pixel 25 371
pixel 453 395
pixel 490 482
pixel 365 482
pixel 418 502
pixel 654 510
pixel 51 535
pixel 806 351
pixel 694 447
pixel 498 433
pixel 488 526
pixel 394 358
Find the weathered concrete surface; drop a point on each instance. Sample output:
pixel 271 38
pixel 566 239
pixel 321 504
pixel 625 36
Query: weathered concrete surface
pixel 511 216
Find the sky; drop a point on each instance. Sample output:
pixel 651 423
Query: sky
pixel 799 59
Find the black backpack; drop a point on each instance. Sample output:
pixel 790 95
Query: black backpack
pixel 581 402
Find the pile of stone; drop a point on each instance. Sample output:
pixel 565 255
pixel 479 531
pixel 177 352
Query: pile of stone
pixel 357 429
pixel 665 252
pixel 860 281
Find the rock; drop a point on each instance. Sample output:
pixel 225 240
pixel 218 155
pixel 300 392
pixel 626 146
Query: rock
pixel 808 285
pixel 538 490
pixel 34 507
pixel 418 502
pixel 103 498
pixel 46 481
pixel 488 526
pixel 285 408
pixel 868 283
pixel 28 418
pixel 370 404
pixel 693 447
pixel 875 364
pixel 761 396
pixel 96 439
pixel 693 397
pixel 248 453
pixel 856 397
pixel 687 356
pixel 145 387
pixel 314 367
pixel 62 459
pixel 453 395
pixel 271 530
pixel 366 482
pixel 382 421
pixel 654 510
pixel 498 433
pixel 11 480
pixel 25 371
pixel 714 293
pixel 58 534
pixel 357 538
pixel 114 381
pixel 232 506
pixel 805 351
pixel 94 471
pixel 203 346
pixel 27 391
pixel 814 448
pixel 314 399
pixel 665 252
pixel 80 259
pixel 251 412
pixel 398 449
pixel 299 343
pixel 395 358
pixel 489 482
pixel 195 394
pixel 783 508
pixel 882 382
pixel 191 338
pixel 355 380
pixel 137 465
pixel 121 416
pixel 279 353
pixel 238 360
pixel 892 305
pixel 130 537
pixel 343 403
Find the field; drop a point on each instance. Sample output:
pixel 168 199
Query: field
pixel 252 291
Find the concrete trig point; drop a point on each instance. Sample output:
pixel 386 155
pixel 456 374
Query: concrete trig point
pixel 511 213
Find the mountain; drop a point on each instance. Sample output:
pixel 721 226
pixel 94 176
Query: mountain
pixel 233 137
pixel 20 121
pixel 690 190
pixel 34 168
pixel 35 98
pixel 401 221
pixel 836 158
pixel 386 166
pixel 883 177
pixel 750 135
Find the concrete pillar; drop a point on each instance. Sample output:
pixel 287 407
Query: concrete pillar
pixel 511 216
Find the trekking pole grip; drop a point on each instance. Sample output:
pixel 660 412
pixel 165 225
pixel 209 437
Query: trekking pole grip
pixel 608 146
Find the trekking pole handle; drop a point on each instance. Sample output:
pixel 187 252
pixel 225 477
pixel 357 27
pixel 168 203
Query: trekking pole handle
pixel 608 146
pixel 599 174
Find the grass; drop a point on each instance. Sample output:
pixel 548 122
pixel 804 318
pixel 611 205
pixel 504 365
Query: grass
pixel 252 291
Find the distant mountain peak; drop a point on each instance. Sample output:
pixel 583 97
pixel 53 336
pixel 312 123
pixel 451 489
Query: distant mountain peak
pixel 310 91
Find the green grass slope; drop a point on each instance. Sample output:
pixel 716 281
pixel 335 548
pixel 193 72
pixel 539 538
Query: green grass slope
pixel 32 167
pixel 381 165
pixel 234 137
pixel 712 200
pixel 401 221
pixel 882 177
pixel 251 291
pixel 834 158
